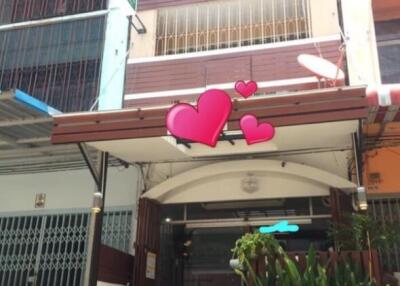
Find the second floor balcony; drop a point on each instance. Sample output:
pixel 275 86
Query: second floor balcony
pixel 191 48
pixel 226 24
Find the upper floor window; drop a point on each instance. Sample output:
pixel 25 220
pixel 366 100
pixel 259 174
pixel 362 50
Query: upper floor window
pixel 58 64
pixel 388 41
pixel 12 11
pixel 230 23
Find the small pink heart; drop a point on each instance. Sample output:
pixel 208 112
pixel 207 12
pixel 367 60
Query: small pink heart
pixel 255 132
pixel 204 123
pixel 246 89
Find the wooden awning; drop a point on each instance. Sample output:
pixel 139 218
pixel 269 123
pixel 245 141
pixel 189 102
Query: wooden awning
pixel 316 106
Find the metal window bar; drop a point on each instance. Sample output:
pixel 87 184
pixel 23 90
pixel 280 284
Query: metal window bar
pixel 225 24
pixel 51 248
pixel 13 11
pixel 58 63
pixel 386 211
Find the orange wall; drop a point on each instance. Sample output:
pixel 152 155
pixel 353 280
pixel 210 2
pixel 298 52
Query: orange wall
pixel 385 10
pixel 382 170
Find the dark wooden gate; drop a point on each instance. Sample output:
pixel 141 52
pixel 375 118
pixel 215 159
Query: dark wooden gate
pixel 147 240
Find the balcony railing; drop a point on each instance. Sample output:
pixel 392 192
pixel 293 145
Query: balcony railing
pixel 163 80
pixel 227 24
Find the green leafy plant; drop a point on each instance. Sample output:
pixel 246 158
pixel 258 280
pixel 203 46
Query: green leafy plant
pixel 265 263
pixel 362 232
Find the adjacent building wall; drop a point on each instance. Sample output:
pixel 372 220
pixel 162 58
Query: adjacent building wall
pixel 379 175
pixel 324 18
pixel 362 55
pixel 144 45
pixel 114 56
pixel 65 190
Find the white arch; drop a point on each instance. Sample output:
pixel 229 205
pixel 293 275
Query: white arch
pixel 223 182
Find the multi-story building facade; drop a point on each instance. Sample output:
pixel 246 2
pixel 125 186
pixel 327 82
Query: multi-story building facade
pixel 65 54
pixel 198 200
pixel 195 201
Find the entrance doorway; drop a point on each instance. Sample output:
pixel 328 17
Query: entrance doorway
pixel 196 239
pixel 197 257
pixel 208 253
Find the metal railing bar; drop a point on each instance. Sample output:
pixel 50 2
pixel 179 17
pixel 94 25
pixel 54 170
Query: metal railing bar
pixel 50 21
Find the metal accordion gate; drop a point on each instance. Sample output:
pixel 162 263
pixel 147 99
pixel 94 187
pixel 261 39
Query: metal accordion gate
pixel 50 249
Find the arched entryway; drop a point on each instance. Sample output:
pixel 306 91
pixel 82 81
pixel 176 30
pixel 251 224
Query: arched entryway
pixel 198 215
pixel 224 182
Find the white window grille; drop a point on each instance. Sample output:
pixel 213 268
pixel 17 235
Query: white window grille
pixel 226 24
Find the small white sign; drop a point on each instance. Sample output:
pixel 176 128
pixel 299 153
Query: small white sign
pixel 151 265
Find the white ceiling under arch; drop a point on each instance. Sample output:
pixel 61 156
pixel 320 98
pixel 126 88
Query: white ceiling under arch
pixel 224 181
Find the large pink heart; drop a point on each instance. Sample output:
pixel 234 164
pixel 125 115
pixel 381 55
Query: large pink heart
pixel 246 89
pixel 204 123
pixel 255 132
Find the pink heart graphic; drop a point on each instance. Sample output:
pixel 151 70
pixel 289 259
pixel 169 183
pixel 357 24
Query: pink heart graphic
pixel 255 132
pixel 204 123
pixel 246 89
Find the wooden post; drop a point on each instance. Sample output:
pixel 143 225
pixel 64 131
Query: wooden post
pixel 147 240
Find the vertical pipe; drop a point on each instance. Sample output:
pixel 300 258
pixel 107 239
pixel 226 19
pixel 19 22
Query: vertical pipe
pixel 91 233
pixel 357 158
pixel 92 263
